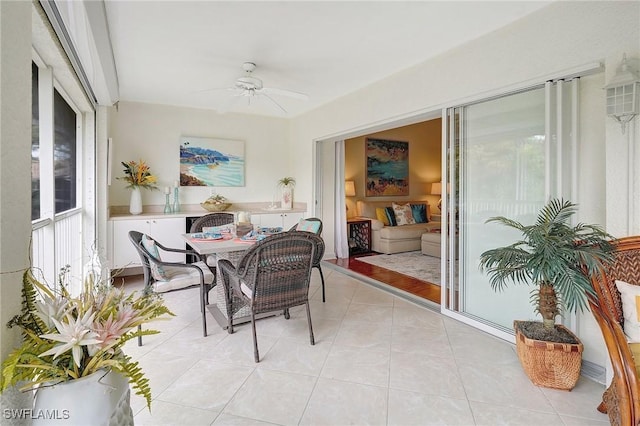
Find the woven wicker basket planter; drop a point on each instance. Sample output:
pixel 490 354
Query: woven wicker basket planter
pixel 548 364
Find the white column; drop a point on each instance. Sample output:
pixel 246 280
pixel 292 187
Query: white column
pixel 15 178
pixel 15 161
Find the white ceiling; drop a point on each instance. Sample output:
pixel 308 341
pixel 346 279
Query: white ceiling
pixel 170 52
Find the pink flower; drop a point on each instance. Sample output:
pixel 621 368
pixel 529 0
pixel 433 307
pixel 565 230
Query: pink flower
pixel 108 332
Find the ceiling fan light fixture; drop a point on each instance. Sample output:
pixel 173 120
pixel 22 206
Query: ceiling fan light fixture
pixel 249 67
pixel 250 86
pixel 249 83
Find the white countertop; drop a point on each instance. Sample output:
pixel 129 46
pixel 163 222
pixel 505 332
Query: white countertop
pixel 189 210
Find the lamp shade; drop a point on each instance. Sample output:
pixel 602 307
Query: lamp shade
pixel 436 188
pixel 350 188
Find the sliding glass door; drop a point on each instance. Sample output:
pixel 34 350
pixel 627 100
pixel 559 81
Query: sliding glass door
pixel 505 157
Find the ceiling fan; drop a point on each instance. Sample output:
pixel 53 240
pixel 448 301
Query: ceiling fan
pixel 251 87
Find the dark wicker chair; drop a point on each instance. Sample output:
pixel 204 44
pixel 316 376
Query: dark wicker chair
pixel 211 219
pixel 621 399
pixel 273 275
pixel 319 255
pixel 187 274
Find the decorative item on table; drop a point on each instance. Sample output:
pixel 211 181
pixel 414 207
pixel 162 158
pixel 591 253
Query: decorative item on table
pixel 215 203
pixel 176 196
pixel 244 226
pixel 69 340
pixel 253 235
pixel 137 175
pixel 286 185
pixel 270 230
pixel 561 260
pixel 206 236
pixel 227 231
pixel 167 202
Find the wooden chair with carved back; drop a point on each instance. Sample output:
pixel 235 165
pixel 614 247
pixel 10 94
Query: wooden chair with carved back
pixel 621 399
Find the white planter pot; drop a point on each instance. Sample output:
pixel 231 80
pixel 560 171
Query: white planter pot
pixel 286 200
pixel 98 399
pixel 135 204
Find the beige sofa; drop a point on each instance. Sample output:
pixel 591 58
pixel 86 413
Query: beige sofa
pixel 394 239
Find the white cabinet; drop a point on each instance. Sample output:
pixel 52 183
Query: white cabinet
pixel 271 220
pixel 165 230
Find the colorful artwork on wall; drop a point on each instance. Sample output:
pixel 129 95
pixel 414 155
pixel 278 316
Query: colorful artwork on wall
pixel 211 162
pixel 387 168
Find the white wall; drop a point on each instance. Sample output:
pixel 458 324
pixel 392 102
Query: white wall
pixel 559 37
pixel 151 132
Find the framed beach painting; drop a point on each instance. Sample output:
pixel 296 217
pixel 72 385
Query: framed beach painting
pixel 387 167
pixel 211 162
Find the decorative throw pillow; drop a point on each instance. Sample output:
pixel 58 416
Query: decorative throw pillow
pixel 157 271
pixel 630 295
pixel 391 216
pixel 381 215
pixel 428 212
pixel 419 212
pixel 308 225
pixel 403 214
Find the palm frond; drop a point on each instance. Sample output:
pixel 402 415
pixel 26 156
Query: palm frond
pixel 554 252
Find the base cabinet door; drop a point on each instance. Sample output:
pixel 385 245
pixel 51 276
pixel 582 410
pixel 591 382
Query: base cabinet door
pixel 165 231
pixel 272 220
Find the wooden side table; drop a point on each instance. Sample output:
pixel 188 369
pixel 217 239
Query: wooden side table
pixel 359 235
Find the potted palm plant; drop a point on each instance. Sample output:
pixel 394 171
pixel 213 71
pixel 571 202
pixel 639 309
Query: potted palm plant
pixel 560 260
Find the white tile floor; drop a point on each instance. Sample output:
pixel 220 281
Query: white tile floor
pixel 378 359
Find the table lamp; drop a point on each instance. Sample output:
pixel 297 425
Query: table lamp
pixel 436 189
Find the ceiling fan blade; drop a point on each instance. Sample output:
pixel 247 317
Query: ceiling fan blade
pixel 284 92
pixel 274 102
pixel 216 89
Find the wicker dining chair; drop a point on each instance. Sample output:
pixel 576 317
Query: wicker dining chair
pixel 208 220
pixel 320 254
pixel 273 275
pixel 211 219
pixel 160 276
pixel 621 400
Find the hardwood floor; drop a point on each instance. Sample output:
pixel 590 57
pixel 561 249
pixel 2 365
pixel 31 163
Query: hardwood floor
pixel 411 285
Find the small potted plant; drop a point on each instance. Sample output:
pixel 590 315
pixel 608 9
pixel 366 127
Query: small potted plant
pixel 560 260
pixel 286 185
pixel 72 349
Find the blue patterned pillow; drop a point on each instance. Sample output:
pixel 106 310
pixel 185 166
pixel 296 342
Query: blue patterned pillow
pixel 391 216
pixel 308 226
pixel 157 271
pixel 419 212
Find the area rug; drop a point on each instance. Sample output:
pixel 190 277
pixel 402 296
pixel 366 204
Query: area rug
pixel 412 263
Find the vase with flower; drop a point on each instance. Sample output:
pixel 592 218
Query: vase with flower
pixel 138 175
pixel 72 350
